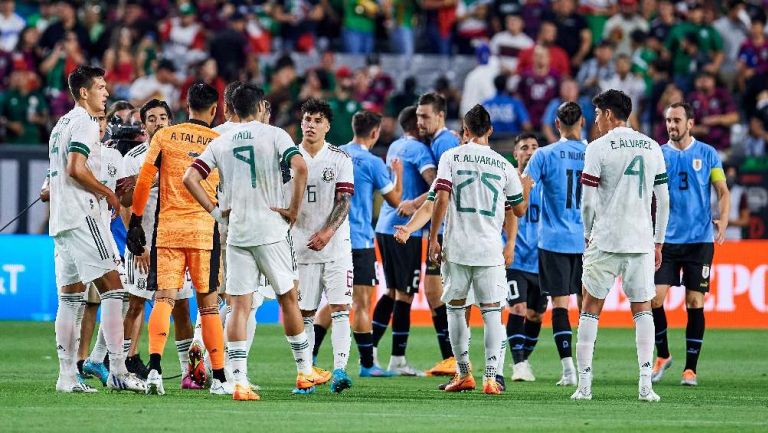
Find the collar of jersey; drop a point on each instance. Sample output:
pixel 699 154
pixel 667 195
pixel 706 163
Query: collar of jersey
pixel 439 133
pixel 360 146
pixel 322 149
pixel 693 141
pixel 563 139
pixel 198 122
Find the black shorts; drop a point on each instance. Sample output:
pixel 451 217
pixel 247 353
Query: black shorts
pixel 364 266
pixel 559 273
pixel 693 260
pixel 524 287
pixel 433 269
pixel 402 262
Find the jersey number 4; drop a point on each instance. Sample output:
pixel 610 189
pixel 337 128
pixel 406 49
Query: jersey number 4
pixel 636 167
pixel 485 179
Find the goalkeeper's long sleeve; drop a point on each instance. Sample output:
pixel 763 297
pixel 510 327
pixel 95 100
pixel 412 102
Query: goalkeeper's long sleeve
pixel 143 185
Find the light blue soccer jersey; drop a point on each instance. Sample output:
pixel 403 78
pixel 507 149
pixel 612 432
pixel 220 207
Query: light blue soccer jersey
pixel 416 157
pixel 443 141
pixel 557 167
pixel 371 175
pixel 691 172
pixel 527 241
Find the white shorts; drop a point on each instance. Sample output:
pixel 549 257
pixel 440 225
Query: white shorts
pixel 245 265
pixel 332 278
pixel 85 253
pixel 487 283
pixel 136 281
pixel 636 271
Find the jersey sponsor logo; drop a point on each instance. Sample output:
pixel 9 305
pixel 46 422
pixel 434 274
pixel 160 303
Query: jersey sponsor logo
pixel 697 164
pixel 193 154
pixel 328 174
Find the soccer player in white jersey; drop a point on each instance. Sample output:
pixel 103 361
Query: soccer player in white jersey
pixel 323 247
pixel 82 255
pixel 248 161
pixel 485 187
pixel 622 170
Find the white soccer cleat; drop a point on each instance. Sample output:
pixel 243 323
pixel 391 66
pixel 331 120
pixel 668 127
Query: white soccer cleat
pixel 584 390
pixel 568 379
pixel 222 388
pixel 72 385
pixel 522 372
pixel 155 383
pixel 647 394
pixel 126 382
pixel 403 368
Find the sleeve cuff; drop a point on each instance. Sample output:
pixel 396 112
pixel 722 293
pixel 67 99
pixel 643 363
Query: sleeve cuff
pixel 426 167
pixel 387 188
pixel 83 149
pixel 201 168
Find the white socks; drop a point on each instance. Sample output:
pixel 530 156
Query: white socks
pixel 301 352
pixel 198 335
pixel 494 334
pixel 68 331
pixel 502 356
pixel 112 327
pixel 100 348
pixel 250 330
pixel 309 329
pixel 341 338
pixel 644 338
pixel 238 360
pixel 585 343
pixel 182 347
pixel 458 333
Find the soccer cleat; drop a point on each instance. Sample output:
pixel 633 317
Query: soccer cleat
pixel 522 372
pixel 188 383
pixel 244 393
pixel 155 383
pixel 324 374
pixel 662 364
pixel 197 369
pixel 689 378
pixel 73 385
pixel 501 382
pixel 222 388
pixel 405 369
pixel 126 382
pixel 568 379
pixel 375 371
pixel 340 381
pixel 446 367
pixel 490 386
pixel 97 369
pixel 584 389
pixel 135 365
pixel 647 394
pixel 459 383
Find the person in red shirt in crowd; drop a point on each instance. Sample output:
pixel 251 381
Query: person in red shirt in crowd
pixel 119 64
pixel 538 85
pixel 715 112
pixel 558 58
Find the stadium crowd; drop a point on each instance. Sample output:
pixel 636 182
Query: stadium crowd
pixel 531 56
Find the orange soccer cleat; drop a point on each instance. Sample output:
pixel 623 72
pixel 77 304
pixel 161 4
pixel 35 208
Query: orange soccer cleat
pixel 446 367
pixel 461 383
pixel 244 393
pixel 491 386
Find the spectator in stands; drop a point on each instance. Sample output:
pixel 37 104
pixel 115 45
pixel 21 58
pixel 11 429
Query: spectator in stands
pixel 99 34
pixel 508 114
pixel 538 86
pixel 280 90
pixel 689 43
pixel 359 26
pixel 452 97
pixel 573 34
pixel 664 21
pixel 597 12
pixel 558 58
pixel 439 19
pixel 183 38
pixel 533 15
pixel 65 57
pixel 569 92
pixel 404 98
pixel 56 32
pixel 594 70
pixel 206 71
pixel 738 220
pixel 501 9
pixel 28 49
pixel 119 64
pixel 671 95
pixel 344 106
pixel 508 44
pixel 379 85
pixel 753 64
pixel 316 85
pixel 298 19
pixel 734 31
pixel 754 143
pixel 400 19
pixel 162 84
pixel 24 109
pixel 629 83
pixel 478 84
pixel 11 25
pixel 230 47
pixel 642 57
pixel 44 16
pixel 472 25
pixel 327 68
pixel 715 112
pixel 619 27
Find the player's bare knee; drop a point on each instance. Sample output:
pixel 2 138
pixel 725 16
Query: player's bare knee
pixel 694 299
pixel 518 309
pixel 404 297
pixel 533 316
pixel 560 301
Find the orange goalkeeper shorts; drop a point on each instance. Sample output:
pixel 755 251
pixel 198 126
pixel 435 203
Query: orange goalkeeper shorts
pixel 204 268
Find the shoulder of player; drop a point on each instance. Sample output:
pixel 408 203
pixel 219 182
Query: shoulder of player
pixel 137 151
pixel 336 150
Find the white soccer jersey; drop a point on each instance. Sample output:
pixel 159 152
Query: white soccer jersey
pixel 248 159
pixel 111 171
pixel 76 131
pixel 482 183
pixel 223 129
pixel 132 163
pixel 624 165
pixel 329 172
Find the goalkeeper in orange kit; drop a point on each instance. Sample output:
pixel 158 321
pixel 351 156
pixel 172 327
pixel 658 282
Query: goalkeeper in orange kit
pixel 186 236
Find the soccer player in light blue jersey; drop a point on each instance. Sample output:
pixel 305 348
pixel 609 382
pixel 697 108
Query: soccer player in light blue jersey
pixel 371 175
pixel 557 167
pixel 526 302
pixel 694 167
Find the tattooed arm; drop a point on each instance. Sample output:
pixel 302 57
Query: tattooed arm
pixel 339 213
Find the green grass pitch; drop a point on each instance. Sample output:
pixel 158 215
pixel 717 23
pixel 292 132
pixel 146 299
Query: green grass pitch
pixel 732 393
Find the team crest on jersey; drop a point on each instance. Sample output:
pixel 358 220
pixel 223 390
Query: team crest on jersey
pixel 111 170
pixel 328 174
pixel 697 164
pixel 705 272
pixel 141 283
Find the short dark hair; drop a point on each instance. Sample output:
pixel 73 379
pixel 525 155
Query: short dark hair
pixel 477 121
pixel 525 136
pixel 435 100
pixel 246 99
pixel 616 101
pixel 500 83
pixel 155 103
pixel 407 119
pixel 82 78
pixel 229 91
pixel 317 106
pixel 202 96
pixel 118 106
pixel 364 121
pixel 569 113
pixel 689 114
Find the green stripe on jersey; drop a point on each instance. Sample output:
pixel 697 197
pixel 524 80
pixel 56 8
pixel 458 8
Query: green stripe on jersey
pixel 288 154
pixel 431 196
pixel 79 148
pixel 515 199
pixel 660 179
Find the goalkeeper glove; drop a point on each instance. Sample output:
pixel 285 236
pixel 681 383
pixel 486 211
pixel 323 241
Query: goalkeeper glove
pixel 136 239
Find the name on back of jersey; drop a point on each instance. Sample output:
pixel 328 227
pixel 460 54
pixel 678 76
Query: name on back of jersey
pixel 630 143
pixel 480 159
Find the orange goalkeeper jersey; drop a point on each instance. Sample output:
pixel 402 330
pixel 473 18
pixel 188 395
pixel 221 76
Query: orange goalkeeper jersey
pixel 181 221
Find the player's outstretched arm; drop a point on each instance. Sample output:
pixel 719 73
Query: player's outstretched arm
pixel 442 196
pixel 299 169
pixel 77 169
pixel 418 220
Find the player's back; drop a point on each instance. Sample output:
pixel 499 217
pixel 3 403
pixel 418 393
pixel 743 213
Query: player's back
pixel 690 214
pixel 248 159
pixel 558 168
pixel 416 157
pixel 182 222
pixel 624 165
pixel 478 178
